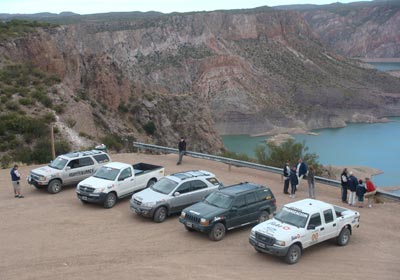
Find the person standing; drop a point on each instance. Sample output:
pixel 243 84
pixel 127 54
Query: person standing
pixel 371 191
pixel 360 191
pixel 15 179
pixel 182 150
pixel 344 180
pixel 286 177
pixel 311 182
pixel 301 170
pixel 353 182
pixel 294 181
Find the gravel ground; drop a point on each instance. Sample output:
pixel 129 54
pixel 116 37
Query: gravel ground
pixel 47 236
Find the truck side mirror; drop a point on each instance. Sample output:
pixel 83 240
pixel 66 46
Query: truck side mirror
pixel 234 208
pixel 177 193
pixel 68 168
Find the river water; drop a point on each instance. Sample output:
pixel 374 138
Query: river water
pixel 373 145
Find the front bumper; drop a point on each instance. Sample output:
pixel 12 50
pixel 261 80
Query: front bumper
pixel 268 249
pixel 92 197
pixel 141 210
pixel 195 226
pixel 36 183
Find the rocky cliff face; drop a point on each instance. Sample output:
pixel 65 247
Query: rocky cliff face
pixel 204 74
pixel 361 29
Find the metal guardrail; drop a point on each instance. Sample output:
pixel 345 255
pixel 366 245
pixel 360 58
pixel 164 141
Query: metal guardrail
pixel 241 163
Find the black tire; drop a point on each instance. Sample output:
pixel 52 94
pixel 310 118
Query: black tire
pixel 344 237
pixel 54 186
pixel 110 201
pixel 293 255
pixel 150 183
pixel 217 233
pixel 264 216
pixel 160 214
pixel 188 228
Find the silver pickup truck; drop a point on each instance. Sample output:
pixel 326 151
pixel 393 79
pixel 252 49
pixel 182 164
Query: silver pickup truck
pixel 67 169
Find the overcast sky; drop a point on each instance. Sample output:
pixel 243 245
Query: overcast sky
pixel 165 6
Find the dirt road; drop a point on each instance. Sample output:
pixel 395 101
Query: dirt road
pixel 45 236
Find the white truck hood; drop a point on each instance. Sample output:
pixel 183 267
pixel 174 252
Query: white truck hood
pixel 46 171
pixel 96 183
pixel 148 195
pixel 278 230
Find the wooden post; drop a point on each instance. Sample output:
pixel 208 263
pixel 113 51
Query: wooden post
pixel 53 150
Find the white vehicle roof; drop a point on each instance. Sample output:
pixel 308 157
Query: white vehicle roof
pixel 180 176
pixel 117 165
pixel 308 205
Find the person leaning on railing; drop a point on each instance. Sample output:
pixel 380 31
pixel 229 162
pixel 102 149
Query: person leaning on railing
pixel 371 191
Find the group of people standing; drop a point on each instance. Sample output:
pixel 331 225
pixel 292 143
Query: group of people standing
pixel 294 176
pixel 358 189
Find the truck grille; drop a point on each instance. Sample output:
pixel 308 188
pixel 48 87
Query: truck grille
pixel 137 202
pixel 35 176
pixel 265 239
pixel 192 218
pixel 86 189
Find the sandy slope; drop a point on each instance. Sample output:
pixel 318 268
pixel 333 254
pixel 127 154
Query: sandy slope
pixel 56 237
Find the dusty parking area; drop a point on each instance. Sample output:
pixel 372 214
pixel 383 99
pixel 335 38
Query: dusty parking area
pixel 45 236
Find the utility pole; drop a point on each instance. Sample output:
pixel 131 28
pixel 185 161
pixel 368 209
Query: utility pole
pixel 53 150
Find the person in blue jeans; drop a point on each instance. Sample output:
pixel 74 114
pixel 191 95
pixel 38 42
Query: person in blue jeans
pixel 344 181
pixel 182 150
pixel 294 181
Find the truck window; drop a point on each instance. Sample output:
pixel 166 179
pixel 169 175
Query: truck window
pixel 263 195
pixel 101 158
pixel 73 163
pixel 239 201
pixel 184 188
pixel 315 220
pixel 213 181
pixel 328 216
pixel 85 161
pixel 126 173
pixel 198 185
pixel 250 198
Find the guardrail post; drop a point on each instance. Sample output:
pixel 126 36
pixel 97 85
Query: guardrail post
pixel 229 167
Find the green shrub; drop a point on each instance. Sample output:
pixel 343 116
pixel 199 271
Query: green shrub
pixel 26 101
pixel 5 161
pixel 113 142
pixel 150 127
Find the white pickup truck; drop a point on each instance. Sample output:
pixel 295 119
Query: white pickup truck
pixel 301 224
pixel 116 180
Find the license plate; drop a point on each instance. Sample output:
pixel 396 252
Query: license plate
pixel 261 245
pixel 84 197
pixel 189 224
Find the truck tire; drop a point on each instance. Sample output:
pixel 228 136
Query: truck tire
pixel 264 216
pixel 344 237
pixel 54 186
pixel 150 183
pixel 160 214
pixel 293 255
pixel 217 233
pixel 110 201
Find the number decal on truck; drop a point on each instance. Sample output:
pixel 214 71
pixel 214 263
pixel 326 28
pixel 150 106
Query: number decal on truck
pixel 314 237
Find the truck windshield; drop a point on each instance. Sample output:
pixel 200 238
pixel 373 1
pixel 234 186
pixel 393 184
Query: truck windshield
pixel 219 199
pixel 107 173
pixel 292 217
pixel 58 163
pixel 164 186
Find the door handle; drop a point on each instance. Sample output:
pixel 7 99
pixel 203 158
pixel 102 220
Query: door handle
pixel 322 229
pixel 334 225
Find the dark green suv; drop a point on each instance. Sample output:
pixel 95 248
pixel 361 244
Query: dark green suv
pixel 228 208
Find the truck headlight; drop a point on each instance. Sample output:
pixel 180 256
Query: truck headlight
pixel 99 190
pixel 253 233
pixel 280 243
pixel 183 215
pixel 149 204
pixel 41 178
pixel 204 222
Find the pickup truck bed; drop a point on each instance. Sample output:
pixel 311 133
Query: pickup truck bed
pixel 142 168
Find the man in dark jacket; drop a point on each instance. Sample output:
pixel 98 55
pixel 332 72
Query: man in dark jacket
pixel 301 170
pixel 344 180
pixel 353 182
pixel 286 178
pixel 294 181
pixel 182 150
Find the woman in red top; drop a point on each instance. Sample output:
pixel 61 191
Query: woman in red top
pixel 371 191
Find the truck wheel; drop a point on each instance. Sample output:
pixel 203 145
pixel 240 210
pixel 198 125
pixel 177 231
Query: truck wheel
pixel 111 200
pixel 293 255
pixel 264 216
pixel 54 186
pixel 151 183
pixel 160 215
pixel 217 233
pixel 343 237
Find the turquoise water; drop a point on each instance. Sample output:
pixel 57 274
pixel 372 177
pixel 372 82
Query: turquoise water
pixel 385 66
pixel 374 145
